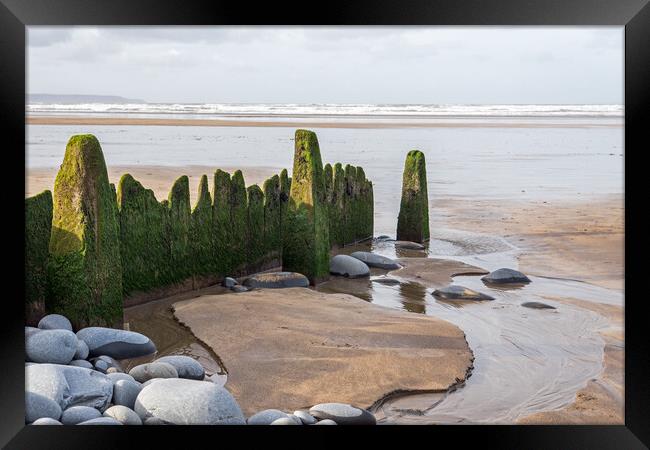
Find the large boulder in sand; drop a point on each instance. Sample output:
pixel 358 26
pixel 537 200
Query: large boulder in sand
pixel 188 402
pixel 118 344
pixel 69 385
pixel 374 260
pixel 348 266
pixel 275 280
pixel 506 276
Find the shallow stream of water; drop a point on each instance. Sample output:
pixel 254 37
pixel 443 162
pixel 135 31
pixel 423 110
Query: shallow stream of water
pixel 526 360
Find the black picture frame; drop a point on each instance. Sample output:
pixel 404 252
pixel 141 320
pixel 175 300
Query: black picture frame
pixel 15 15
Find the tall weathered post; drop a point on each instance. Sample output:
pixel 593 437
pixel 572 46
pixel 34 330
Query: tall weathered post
pixel 413 220
pixel 85 270
pixel 306 242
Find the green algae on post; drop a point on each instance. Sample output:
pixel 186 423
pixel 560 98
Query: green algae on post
pixel 84 268
pixel 337 207
pixel 413 219
pixel 144 245
pixel 239 223
pixel 38 227
pixel 221 225
pixel 202 246
pixel 306 241
pixel 179 229
pixel 272 218
pixel 255 229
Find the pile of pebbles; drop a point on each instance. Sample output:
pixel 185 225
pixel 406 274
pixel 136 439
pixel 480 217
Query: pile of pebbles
pixel 78 379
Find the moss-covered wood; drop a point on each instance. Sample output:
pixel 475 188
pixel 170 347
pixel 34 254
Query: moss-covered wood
pixel 306 243
pixel 413 219
pixel 202 246
pixel 255 230
pixel 221 224
pixel 38 227
pixel 239 222
pixel 337 207
pixel 272 218
pixel 84 268
pixel 144 242
pixel 179 229
pixel 349 210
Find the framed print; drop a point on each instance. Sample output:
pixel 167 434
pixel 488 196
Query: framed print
pixel 389 218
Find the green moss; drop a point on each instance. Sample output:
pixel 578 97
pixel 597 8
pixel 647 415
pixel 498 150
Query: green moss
pixel 84 269
pixel 306 241
pixel 337 207
pixel 221 224
pixel 179 229
pixel 202 245
pixel 255 242
pixel 272 218
pixel 413 220
pixel 349 204
pixel 38 227
pixel 144 244
pixel 239 221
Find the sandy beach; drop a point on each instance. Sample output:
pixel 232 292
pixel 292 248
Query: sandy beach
pixel 576 240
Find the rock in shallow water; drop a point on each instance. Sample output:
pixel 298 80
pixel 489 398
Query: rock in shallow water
pixel 78 414
pixel 186 366
pixel 118 344
pixel 146 372
pixel 51 346
pixel 188 402
pixel 38 406
pixel 55 322
pixel 348 266
pixel 456 292
pixel 69 385
pixel 277 280
pixel 123 414
pixel 374 260
pixel 343 414
pixel 266 417
pixel 125 392
pixel 506 276
pixel 408 245
pixel 537 305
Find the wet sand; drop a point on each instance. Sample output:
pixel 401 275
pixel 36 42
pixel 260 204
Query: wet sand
pixel 580 239
pixel 157 178
pixel 576 240
pixel 309 122
pixel 293 348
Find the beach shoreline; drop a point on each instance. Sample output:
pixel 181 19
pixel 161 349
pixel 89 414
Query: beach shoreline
pixel 334 122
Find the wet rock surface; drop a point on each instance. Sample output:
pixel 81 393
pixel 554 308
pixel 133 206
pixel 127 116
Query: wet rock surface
pixel 277 280
pixel 456 292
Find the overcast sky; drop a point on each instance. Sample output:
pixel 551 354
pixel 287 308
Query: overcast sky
pixel 330 64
